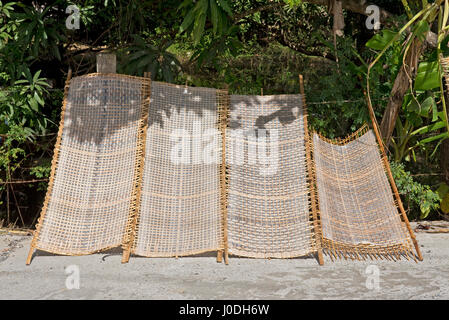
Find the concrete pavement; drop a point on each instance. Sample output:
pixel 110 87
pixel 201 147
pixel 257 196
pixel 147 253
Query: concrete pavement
pixel 102 276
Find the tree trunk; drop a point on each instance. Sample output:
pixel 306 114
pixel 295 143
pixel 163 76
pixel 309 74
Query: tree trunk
pixel 444 160
pixel 401 85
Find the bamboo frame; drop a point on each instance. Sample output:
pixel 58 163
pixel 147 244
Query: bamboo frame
pixel 311 176
pixel 390 176
pixel 166 182
pixel 54 163
pixel 224 101
pixel 336 249
pixel 133 219
pixel 270 216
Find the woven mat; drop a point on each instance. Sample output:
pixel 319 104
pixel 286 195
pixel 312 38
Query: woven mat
pixel 90 193
pixel 268 212
pixel 356 205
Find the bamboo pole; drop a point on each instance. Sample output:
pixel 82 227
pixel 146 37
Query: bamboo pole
pixel 311 175
pixel 223 124
pixel 53 170
pixel 138 175
pixel 220 256
pixel 390 177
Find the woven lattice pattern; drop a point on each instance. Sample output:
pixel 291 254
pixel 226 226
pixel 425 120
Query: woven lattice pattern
pixel 180 202
pixel 90 194
pixel 167 170
pixel 268 198
pixel 356 205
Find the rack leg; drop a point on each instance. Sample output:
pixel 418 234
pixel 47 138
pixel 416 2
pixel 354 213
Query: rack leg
pixel 30 255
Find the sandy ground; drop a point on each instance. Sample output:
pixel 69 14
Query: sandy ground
pixel 102 276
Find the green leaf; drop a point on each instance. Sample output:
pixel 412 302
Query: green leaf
pixel 425 210
pixel 39 99
pixel 430 128
pixel 184 4
pixel 445 204
pixel 434 138
pixel 201 7
pixel 421 29
pixel 225 6
pixel 445 14
pixel 442 190
pixel 36 76
pixel 428 76
pixel 380 40
pixel 445 47
pixel 146 60
pixel 215 14
pixel 33 104
pixel 198 28
pixel 187 21
pixel 137 55
pixel 427 106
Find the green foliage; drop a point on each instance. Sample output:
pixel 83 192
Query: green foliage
pixel 274 69
pixel 381 40
pixel 339 107
pixel 420 198
pixel 428 76
pixel 213 47
pixel 293 3
pixel 443 193
pixel 429 73
pixel 39 33
pixel 10 150
pixel 6 28
pixel 23 102
pixel 142 57
pixel 248 45
pixel 215 11
pixel 41 171
pixel 418 127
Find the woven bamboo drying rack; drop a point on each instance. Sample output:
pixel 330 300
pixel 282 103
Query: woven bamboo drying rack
pixel 114 117
pixel 182 208
pixel 390 249
pixel 53 170
pixel 390 176
pixel 222 107
pixel 269 213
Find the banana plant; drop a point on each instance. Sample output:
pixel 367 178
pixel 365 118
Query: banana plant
pixel 417 110
pixel 429 74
